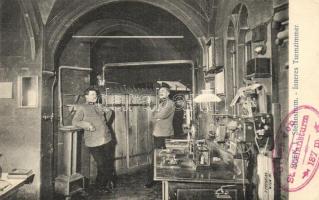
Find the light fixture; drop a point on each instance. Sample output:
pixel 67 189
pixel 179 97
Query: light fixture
pixel 207 96
pixel 260 49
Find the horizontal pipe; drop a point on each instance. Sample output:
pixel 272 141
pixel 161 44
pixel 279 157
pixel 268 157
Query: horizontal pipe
pixel 48 72
pixel 144 63
pixel 60 87
pixel 129 36
pixel 161 62
pixel 283 34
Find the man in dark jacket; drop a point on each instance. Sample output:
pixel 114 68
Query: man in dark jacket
pixel 163 126
pixel 97 136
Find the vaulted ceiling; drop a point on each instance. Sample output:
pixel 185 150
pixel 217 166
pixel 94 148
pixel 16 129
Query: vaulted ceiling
pixel 190 18
pixel 51 8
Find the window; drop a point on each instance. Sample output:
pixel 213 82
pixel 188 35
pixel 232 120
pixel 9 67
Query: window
pixel 238 49
pixel 27 91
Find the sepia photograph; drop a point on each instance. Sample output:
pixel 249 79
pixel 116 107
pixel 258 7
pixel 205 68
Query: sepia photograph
pixel 159 100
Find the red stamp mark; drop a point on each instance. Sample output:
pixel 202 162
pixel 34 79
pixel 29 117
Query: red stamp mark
pixel 299 147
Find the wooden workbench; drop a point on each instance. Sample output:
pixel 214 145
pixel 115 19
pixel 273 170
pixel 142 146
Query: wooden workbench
pixel 206 183
pixel 14 184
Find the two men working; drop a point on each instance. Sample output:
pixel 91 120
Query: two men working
pixel 93 119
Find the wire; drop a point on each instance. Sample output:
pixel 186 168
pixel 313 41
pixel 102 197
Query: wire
pixel 266 145
pixel 256 137
pixel 243 172
pixel 247 151
pixel 257 143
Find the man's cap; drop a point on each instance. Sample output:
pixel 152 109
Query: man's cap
pixel 165 85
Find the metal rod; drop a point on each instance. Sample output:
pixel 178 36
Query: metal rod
pixel 161 62
pixel 194 92
pixel 60 87
pixel 53 115
pixel 143 63
pixel 127 133
pixel 129 36
pixel 48 72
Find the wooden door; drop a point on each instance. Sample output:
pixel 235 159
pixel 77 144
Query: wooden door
pixel 131 131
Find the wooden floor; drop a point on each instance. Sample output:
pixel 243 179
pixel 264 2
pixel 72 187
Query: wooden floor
pixel 128 187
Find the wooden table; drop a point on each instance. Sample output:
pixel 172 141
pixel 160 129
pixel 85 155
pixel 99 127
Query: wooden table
pixel 181 181
pixel 14 184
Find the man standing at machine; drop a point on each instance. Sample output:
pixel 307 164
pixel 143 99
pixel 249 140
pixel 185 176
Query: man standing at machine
pixel 92 117
pixel 162 126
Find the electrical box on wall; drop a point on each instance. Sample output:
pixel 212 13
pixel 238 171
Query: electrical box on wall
pixel 259 33
pixel 258 68
pixel 210 54
pixel 220 83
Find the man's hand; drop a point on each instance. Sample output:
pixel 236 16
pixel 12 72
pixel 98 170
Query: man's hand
pixel 103 108
pixel 91 128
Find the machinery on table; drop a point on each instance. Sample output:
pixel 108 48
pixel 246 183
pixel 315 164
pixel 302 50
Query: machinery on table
pixel 185 153
pixel 201 154
pixel 254 125
pixel 231 132
pixel 250 135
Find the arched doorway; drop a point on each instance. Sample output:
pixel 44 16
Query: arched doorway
pixel 73 19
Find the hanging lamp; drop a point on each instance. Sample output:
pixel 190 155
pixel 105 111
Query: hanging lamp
pixel 207 96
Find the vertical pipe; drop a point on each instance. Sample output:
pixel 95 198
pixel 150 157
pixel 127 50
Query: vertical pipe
pixel 67 154
pixel 193 91
pixel 127 118
pixel 156 99
pixel 234 73
pixel 276 113
pixel 193 78
pixel 74 151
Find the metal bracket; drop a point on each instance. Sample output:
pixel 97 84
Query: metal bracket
pixel 47 117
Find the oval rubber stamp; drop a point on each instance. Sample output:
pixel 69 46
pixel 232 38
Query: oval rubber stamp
pixel 299 146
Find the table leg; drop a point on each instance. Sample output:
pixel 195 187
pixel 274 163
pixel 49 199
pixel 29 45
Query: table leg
pixel 164 190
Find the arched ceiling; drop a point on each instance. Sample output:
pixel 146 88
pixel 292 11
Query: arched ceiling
pixel 109 26
pixel 155 20
pixel 50 8
pixel 195 14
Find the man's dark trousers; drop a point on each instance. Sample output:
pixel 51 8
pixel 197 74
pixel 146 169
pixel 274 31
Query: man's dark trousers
pixel 104 160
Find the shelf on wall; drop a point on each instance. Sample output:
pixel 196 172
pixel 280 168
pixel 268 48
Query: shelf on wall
pixel 285 22
pixel 230 38
pixel 245 28
pixel 208 77
pixel 222 96
pixel 215 70
pixel 258 68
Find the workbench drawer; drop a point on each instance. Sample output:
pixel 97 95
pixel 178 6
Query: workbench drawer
pixel 191 194
pixel 204 191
